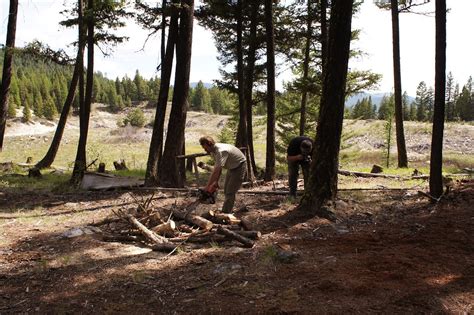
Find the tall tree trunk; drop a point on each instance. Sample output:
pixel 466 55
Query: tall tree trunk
pixel 324 36
pixel 156 146
pixel 7 67
pixel 80 163
pixel 249 80
pixel 401 147
pixel 322 184
pixel 270 156
pixel 48 159
pixel 304 95
pixel 241 138
pixel 436 162
pixel 175 140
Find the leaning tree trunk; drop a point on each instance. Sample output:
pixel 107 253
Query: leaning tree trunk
pixel 7 68
pixel 80 163
pixel 322 185
pixel 241 138
pixel 401 147
pixel 270 155
pixel 175 136
pixel 156 146
pixel 48 159
pixel 304 94
pixel 436 162
pixel 249 80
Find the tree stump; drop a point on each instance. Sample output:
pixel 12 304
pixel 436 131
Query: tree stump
pixel 34 172
pixel 101 168
pixel 120 165
pixel 376 169
pixel 29 160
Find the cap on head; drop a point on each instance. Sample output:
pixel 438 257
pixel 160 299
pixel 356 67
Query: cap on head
pixel 306 146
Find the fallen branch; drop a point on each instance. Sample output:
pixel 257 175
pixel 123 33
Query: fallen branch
pixel 242 239
pixel 150 235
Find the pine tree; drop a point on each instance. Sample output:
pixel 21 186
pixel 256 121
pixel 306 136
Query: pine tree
pixel 26 113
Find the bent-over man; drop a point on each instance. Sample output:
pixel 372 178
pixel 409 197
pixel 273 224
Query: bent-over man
pixel 299 152
pixel 233 160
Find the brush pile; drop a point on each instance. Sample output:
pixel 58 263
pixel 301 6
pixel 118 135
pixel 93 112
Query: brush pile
pixel 177 226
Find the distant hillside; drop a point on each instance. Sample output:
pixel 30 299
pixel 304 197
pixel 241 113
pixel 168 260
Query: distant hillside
pixel 376 98
pixel 206 85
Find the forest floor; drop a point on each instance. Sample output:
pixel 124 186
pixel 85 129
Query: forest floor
pixel 390 251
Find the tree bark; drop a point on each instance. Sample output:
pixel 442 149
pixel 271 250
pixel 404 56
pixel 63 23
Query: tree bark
pixel 322 185
pixel 175 136
pixel 249 81
pixel 156 145
pixel 241 138
pixel 7 68
pixel 401 147
pixel 80 162
pixel 48 159
pixel 304 94
pixel 270 154
pixel 324 36
pixel 436 161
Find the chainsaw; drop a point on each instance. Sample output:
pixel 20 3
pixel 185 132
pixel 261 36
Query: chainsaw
pixel 206 197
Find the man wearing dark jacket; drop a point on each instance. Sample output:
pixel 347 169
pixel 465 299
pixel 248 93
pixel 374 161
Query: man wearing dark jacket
pixel 299 152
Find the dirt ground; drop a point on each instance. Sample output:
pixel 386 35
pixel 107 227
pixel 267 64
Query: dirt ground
pixel 389 252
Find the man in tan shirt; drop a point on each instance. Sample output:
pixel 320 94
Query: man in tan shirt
pixel 231 158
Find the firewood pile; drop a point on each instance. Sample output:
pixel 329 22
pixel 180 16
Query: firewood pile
pixel 177 226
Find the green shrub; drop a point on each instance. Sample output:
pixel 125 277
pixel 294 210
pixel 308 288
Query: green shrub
pixel 135 118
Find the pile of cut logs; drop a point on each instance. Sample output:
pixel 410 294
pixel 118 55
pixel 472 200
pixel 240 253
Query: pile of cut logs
pixel 177 226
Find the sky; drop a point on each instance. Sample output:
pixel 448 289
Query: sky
pixel 38 19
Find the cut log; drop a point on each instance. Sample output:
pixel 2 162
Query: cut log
pixel 201 239
pixel 120 238
pixel 362 174
pixel 222 218
pixel 166 229
pixel 253 235
pixel 193 219
pixel 246 224
pixel 150 235
pixel 164 247
pixel 242 239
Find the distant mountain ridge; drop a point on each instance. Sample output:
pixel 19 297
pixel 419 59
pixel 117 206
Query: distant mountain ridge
pixel 376 98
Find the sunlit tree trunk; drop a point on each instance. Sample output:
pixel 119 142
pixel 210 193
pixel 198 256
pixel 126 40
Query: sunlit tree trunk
pixel 436 162
pixel 48 159
pixel 401 147
pixel 80 163
pixel 7 67
pixel 156 145
pixel 171 177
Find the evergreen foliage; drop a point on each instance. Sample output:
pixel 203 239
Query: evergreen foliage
pixel 41 86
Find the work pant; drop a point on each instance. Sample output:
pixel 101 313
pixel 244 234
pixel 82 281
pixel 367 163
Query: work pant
pixel 293 173
pixel 233 181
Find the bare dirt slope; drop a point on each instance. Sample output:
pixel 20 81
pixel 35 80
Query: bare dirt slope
pixel 390 252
